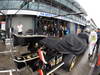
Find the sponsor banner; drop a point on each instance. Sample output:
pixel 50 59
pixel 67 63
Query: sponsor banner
pixel 3 25
pixel 38 13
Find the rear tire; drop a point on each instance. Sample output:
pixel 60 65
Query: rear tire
pixel 73 61
pixel 69 61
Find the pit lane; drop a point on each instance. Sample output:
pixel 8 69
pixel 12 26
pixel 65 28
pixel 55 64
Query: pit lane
pixel 7 66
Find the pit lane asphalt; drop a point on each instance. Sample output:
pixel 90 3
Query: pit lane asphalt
pixel 82 67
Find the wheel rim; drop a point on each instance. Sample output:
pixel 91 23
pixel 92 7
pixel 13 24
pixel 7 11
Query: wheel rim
pixel 72 64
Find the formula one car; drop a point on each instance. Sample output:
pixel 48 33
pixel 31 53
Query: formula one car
pixel 47 54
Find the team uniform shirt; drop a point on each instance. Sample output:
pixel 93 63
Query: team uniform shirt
pixel 20 28
pixel 92 41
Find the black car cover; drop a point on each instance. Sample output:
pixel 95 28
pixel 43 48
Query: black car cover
pixel 71 43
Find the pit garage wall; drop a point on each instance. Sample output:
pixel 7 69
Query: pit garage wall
pixel 26 21
pixel 75 28
pixel 72 28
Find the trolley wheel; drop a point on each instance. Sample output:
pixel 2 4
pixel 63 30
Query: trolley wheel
pixel 73 61
pixel 69 61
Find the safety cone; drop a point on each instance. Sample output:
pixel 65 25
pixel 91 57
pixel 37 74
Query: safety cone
pixel 98 61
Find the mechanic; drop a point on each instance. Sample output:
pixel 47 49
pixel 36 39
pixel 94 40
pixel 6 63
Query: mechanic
pixel 92 41
pixel 20 29
pixel 84 34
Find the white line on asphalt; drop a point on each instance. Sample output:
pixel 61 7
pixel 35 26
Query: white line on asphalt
pixel 7 51
pixel 12 70
pixel 9 71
